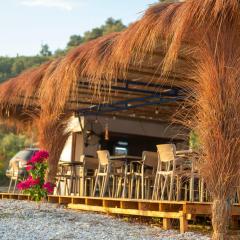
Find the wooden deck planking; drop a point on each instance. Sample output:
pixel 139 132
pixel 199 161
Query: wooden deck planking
pixel 181 210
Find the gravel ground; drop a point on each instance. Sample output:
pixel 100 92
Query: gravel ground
pixel 23 220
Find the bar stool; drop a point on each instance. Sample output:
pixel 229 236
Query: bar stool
pixel 143 174
pixel 14 176
pixel 85 175
pixel 171 174
pixel 62 180
pixel 108 170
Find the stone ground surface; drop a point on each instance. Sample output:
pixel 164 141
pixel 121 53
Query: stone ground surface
pixel 23 220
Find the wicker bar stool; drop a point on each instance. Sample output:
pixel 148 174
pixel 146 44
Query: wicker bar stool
pixel 143 173
pixel 86 175
pixel 109 175
pixel 62 180
pixel 14 176
pixel 171 174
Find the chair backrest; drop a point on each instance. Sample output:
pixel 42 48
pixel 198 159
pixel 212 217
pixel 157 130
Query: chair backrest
pixel 166 152
pixel 14 168
pixel 150 158
pixel 103 157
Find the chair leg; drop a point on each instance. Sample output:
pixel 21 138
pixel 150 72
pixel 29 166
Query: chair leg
pixel 191 189
pixel 170 198
pixel 85 187
pixel 148 186
pixel 185 192
pixel 164 187
pixel 178 188
pixel 104 185
pixel 125 181
pixel 201 190
pixel 137 188
pixel 65 186
pixel 156 187
pixel 95 185
pixel 119 186
pixel 57 187
pixel 15 184
pixel 131 186
pixel 10 185
pixel 143 186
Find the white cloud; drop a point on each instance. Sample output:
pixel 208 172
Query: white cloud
pixel 62 4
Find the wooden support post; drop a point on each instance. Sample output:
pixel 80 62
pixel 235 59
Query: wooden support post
pixel 167 223
pixel 183 223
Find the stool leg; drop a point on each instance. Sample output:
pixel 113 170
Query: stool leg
pixel 95 186
pixel 15 184
pixel 105 185
pixel 10 185
pixel 164 187
pixel 191 189
pixel 155 188
pixel 171 188
pixel 65 186
pixel 143 186
pixel 113 186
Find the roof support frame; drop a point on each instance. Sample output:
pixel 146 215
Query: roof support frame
pixel 150 100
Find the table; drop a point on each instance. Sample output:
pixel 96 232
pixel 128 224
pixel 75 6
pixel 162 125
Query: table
pixel 127 159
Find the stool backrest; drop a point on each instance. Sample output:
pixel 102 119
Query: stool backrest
pixel 103 157
pixel 14 168
pixel 166 152
pixel 150 158
pixel 166 157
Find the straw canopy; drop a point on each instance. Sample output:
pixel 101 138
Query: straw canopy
pixel 86 75
pixel 145 52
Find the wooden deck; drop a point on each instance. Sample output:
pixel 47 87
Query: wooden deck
pixel 167 210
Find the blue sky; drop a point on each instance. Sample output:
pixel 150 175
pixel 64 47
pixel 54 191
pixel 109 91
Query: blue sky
pixel 26 24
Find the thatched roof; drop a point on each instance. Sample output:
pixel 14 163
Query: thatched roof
pixel 166 36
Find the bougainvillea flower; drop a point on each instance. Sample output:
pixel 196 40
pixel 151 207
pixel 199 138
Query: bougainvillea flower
pixel 29 167
pixel 39 157
pixel 49 187
pixel 30 182
pixel 42 154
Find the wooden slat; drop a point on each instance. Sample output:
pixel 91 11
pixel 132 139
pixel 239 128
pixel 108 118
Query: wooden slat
pixel 134 212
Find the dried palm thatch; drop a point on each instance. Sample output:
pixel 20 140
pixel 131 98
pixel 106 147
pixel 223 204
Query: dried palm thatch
pixel 218 95
pixel 53 134
pixel 194 41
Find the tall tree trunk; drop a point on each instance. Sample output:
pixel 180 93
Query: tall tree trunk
pixel 221 210
pixel 53 134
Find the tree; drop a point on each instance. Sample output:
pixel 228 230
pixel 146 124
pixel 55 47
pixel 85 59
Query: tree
pixel 74 41
pixel 17 66
pixel 111 25
pixel 45 51
pixel 93 34
pixel 59 52
pixel 10 67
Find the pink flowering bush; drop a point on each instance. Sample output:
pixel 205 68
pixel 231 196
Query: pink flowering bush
pixel 35 184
